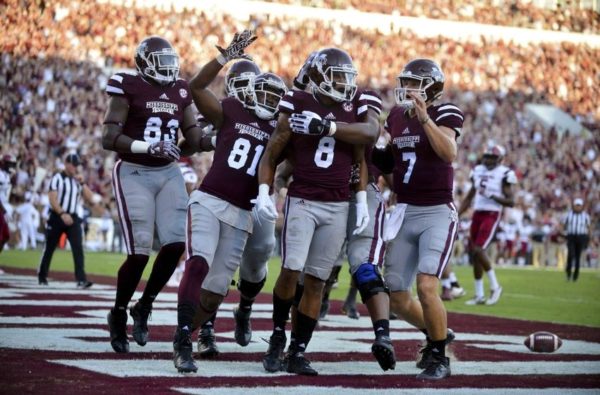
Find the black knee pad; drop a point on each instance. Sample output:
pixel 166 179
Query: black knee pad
pixel 248 289
pixel 369 281
pixel 298 295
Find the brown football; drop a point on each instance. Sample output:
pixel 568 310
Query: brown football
pixel 543 342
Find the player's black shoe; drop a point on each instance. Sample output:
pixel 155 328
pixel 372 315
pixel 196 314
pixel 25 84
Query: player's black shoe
pixel 438 368
pixel 243 330
pixel 296 362
pixel 383 350
pixel 140 314
pixel 207 343
pixel 273 358
pixel 117 326
pixel 182 351
pixel 426 352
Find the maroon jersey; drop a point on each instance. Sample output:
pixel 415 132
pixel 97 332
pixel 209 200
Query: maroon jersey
pixel 322 164
pixel 421 177
pixel 155 112
pixel 240 145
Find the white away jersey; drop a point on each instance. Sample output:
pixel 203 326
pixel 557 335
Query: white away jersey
pixel 489 182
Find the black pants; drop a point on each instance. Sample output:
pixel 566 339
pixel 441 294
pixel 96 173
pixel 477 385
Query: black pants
pixel 54 229
pixel 575 246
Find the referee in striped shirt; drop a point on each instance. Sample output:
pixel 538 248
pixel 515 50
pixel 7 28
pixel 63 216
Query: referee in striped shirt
pixel 66 190
pixel 577 226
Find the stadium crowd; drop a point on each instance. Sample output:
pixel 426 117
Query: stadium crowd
pixel 567 17
pixel 56 61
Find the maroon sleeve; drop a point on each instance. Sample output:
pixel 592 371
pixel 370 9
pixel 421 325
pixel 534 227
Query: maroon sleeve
pixel 117 85
pixel 373 100
pixel 449 115
pixel 288 103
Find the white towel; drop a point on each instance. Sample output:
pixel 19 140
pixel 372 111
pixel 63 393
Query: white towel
pixel 394 222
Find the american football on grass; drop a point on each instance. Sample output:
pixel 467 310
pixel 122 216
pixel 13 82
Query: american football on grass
pixel 543 342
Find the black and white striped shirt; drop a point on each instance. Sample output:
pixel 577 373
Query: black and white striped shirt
pixel 577 223
pixel 68 191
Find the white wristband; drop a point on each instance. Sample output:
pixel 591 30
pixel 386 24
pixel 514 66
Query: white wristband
pixel 361 197
pixel 332 128
pixel 263 190
pixel 213 141
pixel 139 147
pixel 221 59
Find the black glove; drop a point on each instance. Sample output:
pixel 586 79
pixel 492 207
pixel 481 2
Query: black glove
pixel 165 149
pixel 236 48
pixel 310 123
pixel 301 80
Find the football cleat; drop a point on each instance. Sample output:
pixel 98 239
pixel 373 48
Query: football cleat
pixel 182 351
pixel 350 310
pixel 207 343
pixel 457 292
pixel 117 326
pixel 447 294
pixel 427 353
pixel 297 363
pixel 273 358
pixel 140 314
pixel 383 350
pixel 438 368
pixel 243 330
pixel 475 301
pixel 84 284
pixel 494 296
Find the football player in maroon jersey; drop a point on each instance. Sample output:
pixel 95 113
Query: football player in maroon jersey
pixel 219 213
pixel 422 229
pixel 146 110
pixel 317 204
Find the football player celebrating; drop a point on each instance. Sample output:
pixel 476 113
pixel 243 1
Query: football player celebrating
pixel 317 203
pixel 145 112
pixel 240 83
pixel 423 147
pixel 219 213
pixel 366 249
pixel 492 189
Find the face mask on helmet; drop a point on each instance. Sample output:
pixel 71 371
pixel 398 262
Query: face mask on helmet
pixel 268 91
pixel 335 81
pixel 492 156
pixel 421 76
pixel 157 60
pixel 240 87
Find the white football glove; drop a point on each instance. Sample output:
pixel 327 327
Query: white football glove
pixel 235 50
pixel 311 123
pixel 264 205
pixel 362 212
pixel 165 149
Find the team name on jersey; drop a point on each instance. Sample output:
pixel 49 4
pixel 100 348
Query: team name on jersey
pixel 252 131
pixel 406 141
pixel 161 106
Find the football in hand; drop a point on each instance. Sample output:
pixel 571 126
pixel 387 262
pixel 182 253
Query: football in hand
pixel 543 342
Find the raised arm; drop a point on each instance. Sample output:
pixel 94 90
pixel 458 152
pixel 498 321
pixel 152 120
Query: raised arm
pixel 206 102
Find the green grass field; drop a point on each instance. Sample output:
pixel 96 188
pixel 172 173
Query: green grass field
pixel 536 295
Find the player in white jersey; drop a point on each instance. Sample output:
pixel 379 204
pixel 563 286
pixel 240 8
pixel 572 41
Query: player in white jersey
pixel 492 189
pixel 7 168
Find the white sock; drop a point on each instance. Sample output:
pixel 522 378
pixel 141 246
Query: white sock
pixel 479 288
pixel 452 277
pixel 446 283
pixel 493 281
